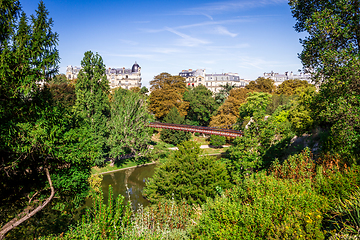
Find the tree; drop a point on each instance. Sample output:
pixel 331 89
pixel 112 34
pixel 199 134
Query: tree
pixel 290 87
pixel 187 175
pixel 128 124
pixel 58 79
pixel 262 85
pixel 228 113
pixel 167 92
pixel 92 103
pixel 223 94
pixel 331 53
pixel 43 160
pixel 174 136
pixel 201 105
pixel 144 90
pixel 256 104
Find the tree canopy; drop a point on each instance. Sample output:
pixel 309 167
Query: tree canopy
pixel 128 124
pixel 228 113
pixel 44 160
pixel 331 54
pixel 201 105
pixel 92 103
pixel 262 84
pixel 174 136
pixel 291 87
pixel 167 92
pixel 187 175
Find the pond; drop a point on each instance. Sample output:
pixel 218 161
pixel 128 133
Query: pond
pixel 134 178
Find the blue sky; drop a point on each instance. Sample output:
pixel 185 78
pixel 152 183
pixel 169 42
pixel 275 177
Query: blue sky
pixel 248 37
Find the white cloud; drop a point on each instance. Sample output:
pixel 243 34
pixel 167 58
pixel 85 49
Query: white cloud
pixel 187 40
pixel 220 7
pixel 223 31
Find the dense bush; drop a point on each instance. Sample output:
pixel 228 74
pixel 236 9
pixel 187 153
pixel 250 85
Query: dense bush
pixel 217 141
pixel 187 175
pixel 174 136
pixel 264 207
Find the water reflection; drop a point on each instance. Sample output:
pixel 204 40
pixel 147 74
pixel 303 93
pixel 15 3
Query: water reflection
pixel 134 178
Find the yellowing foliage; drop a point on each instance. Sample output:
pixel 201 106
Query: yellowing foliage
pixel 167 92
pixel 229 111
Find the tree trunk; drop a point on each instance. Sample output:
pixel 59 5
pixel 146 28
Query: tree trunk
pixel 25 215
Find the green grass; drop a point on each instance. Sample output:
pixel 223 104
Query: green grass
pixel 214 150
pixel 107 168
pixel 201 140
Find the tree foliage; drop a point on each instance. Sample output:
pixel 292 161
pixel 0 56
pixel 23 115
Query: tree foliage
pixel 291 87
pixel 45 160
pixel 224 92
pixel 187 175
pixel 167 92
pixel 262 84
pixel 128 125
pixel 174 136
pixel 92 103
pixel 201 105
pixel 228 113
pixel 331 53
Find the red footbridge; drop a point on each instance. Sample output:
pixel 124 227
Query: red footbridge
pixel 198 129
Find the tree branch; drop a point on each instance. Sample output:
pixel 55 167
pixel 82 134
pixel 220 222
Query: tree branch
pixel 25 215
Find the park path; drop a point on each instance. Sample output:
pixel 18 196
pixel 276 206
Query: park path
pixel 202 147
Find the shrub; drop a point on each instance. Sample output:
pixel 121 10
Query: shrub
pixel 217 141
pixel 174 136
pixel 264 207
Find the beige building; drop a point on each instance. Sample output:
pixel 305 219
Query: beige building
pixel 212 82
pixel 117 77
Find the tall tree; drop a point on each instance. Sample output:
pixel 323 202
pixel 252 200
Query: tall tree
pixel 92 103
pixel 128 124
pixel 331 53
pixel 201 105
pixel 167 92
pixel 42 158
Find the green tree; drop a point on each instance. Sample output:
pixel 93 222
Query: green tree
pixel 187 175
pixel 144 90
pixel 92 103
pixel 223 94
pixel 167 92
pixel 44 160
pixel 217 141
pixel 256 104
pixel 174 136
pixel 331 53
pixel 128 124
pixel 262 85
pixel 201 105
pixel 58 79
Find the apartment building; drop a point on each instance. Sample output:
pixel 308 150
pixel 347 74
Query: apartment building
pixel 117 77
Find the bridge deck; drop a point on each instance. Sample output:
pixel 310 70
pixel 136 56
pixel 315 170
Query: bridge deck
pixel 199 129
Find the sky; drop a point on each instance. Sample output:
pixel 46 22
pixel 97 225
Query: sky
pixel 248 37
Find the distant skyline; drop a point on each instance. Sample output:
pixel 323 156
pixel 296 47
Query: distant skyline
pixel 245 36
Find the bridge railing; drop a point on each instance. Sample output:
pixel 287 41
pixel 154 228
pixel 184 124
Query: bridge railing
pixel 199 129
